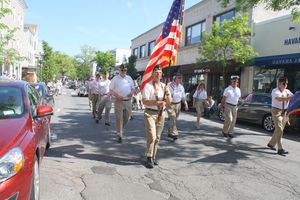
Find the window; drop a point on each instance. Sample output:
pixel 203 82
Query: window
pixel 135 52
pixel 11 102
pixel 266 79
pixel 142 51
pixel 151 47
pixel 227 15
pixel 194 33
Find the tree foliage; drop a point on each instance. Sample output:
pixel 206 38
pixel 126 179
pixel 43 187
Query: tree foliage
pixel 83 61
pixel 275 5
pixel 130 65
pixel 105 60
pixel 46 71
pixel 228 41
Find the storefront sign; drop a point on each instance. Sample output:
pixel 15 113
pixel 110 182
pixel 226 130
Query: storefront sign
pixel 292 41
pixel 201 71
pixel 278 60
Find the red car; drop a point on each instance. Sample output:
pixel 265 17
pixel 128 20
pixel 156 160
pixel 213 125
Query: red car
pixel 24 137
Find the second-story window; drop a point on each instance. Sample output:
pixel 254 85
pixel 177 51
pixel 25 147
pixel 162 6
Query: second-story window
pixel 227 15
pixel 194 33
pixel 151 47
pixel 135 52
pixel 142 51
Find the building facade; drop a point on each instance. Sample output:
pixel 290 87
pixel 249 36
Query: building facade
pixel 198 19
pixel 279 54
pixel 25 41
pixel 121 55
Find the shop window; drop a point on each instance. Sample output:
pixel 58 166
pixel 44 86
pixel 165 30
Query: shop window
pixel 265 80
pixel 151 47
pixel 224 16
pixel 142 51
pixel 194 33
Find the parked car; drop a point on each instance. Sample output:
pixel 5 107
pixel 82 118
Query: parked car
pixel 82 90
pixel 257 109
pixel 46 94
pixel 24 137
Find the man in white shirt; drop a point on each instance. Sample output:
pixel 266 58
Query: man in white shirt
pixel 280 101
pixel 95 93
pixel 178 95
pixel 155 96
pixel 104 99
pixel 122 89
pixel 230 99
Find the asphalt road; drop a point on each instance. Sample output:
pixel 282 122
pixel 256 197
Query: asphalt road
pixel 86 162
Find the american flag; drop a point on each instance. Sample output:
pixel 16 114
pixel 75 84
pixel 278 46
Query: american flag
pixel 165 49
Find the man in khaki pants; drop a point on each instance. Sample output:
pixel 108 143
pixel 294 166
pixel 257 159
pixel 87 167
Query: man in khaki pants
pixel 280 100
pixel 155 95
pixel 229 107
pixel 122 88
pixel 104 99
pixel 178 95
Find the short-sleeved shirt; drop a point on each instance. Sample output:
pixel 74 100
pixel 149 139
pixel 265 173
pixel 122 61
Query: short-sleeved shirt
pixel 177 91
pixel 200 94
pixel 277 93
pixel 122 85
pixel 232 95
pixel 94 87
pixel 148 93
pixel 104 86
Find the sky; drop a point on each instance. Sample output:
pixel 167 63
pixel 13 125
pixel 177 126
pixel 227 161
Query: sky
pixel 67 25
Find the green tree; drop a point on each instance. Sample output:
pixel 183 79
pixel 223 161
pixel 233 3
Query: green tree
pixel 105 60
pixel 46 71
pixel 82 62
pixel 228 41
pixel 130 65
pixel 275 5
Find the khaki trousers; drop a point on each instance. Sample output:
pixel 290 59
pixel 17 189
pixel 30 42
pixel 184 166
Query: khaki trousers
pixel 279 121
pixel 123 111
pixel 153 130
pixel 104 102
pixel 173 111
pixel 230 114
pixel 94 104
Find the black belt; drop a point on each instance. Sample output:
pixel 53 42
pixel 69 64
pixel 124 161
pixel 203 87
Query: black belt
pixel 103 94
pixel 154 110
pixel 95 94
pixel 230 104
pixel 126 99
pixel 176 102
pixel 279 109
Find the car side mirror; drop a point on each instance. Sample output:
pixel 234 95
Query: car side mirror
pixel 43 111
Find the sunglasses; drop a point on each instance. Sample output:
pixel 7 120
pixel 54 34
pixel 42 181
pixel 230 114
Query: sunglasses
pixel 124 70
pixel 284 83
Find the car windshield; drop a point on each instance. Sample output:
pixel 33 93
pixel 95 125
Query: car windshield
pixel 11 102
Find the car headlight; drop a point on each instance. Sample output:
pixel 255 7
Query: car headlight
pixel 11 164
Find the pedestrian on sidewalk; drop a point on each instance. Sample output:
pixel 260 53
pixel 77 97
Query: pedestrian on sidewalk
pixel 95 96
pixel 199 99
pixel 122 89
pixel 155 95
pixel 104 99
pixel 280 101
pixel 178 95
pixel 230 99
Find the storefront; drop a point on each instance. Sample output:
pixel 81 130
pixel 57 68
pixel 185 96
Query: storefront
pixel 279 54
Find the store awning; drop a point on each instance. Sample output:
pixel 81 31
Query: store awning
pixel 288 59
